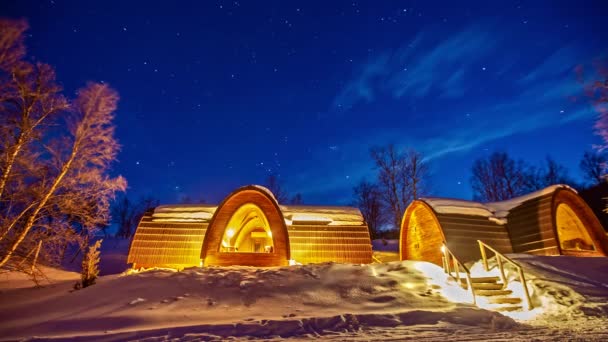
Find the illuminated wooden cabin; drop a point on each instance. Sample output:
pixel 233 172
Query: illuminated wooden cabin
pixel 551 221
pixel 249 228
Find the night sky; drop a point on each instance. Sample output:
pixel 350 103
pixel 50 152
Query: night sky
pixel 218 94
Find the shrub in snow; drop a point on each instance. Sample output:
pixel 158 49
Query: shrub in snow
pixel 90 265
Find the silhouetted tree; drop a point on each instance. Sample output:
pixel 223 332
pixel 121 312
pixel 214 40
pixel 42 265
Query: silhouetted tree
pixel 296 199
pixel 401 178
pixel 593 166
pixel 276 187
pixel 368 199
pixel 498 178
pixel 552 173
pixel 127 214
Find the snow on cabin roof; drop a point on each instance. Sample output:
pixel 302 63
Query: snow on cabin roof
pixel 494 211
pixel 503 207
pixel 299 214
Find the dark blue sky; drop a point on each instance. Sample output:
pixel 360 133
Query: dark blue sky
pixel 217 94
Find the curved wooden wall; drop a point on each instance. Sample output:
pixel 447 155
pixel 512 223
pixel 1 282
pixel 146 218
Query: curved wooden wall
pixel 459 231
pixel 211 253
pixel 421 235
pixel 533 227
pixel 323 234
pixel 530 227
pixel 166 244
pixel 179 236
pixel 587 217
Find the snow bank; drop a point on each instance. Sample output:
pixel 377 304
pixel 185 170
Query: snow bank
pixel 240 301
pixel 397 300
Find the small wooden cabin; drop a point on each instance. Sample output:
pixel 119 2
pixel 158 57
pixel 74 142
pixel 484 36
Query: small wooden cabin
pixel 551 221
pixel 249 228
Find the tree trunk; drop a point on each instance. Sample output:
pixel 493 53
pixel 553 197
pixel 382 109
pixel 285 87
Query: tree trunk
pixel 32 217
pixel 10 162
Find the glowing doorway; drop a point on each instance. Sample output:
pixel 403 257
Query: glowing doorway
pixel 247 231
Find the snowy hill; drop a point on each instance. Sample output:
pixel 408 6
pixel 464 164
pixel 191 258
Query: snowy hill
pixel 398 300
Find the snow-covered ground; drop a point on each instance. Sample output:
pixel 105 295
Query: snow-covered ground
pixel 392 301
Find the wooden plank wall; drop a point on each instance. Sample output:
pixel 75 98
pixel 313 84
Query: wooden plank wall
pixel 462 232
pixel 531 227
pixel 167 244
pixel 312 243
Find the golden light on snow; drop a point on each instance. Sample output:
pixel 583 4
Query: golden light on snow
pixel 437 277
pixel 409 286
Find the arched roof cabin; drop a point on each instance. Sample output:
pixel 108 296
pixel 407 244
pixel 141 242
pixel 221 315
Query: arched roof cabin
pixel 551 221
pixel 249 228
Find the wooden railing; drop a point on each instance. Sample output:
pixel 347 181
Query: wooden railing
pixel 500 259
pixel 451 263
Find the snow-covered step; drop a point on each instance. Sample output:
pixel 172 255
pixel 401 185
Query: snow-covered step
pixel 487 293
pixel 504 300
pixel 509 308
pixel 484 279
pixel 486 286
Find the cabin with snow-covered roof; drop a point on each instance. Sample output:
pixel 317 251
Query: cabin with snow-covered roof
pixel 249 228
pixel 551 221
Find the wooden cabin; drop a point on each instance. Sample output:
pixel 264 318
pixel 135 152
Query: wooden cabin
pixel 551 221
pixel 249 228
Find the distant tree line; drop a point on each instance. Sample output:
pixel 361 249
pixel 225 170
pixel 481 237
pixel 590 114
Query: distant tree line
pixel 499 177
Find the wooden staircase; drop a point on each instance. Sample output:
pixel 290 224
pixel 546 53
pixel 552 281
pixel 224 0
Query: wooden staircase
pixel 488 292
pixel 492 291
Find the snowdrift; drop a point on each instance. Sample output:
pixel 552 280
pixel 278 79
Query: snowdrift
pixel 397 300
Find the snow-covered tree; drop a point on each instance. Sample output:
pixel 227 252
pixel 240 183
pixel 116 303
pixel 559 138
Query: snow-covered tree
pixel 90 265
pixel 54 155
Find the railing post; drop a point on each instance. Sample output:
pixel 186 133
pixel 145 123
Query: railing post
pixel 470 288
pixel 523 283
pixel 457 271
pixel 483 255
pixel 502 271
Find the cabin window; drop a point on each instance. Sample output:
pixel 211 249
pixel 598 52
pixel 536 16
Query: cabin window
pixel 247 231
pixel 571 231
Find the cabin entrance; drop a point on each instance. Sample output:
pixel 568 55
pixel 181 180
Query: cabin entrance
pixel 421 236
pixel 247 231
pixel 571 232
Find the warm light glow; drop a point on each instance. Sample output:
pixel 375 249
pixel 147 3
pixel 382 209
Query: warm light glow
pixel 448 289
pixel 248 231
pixel 443 249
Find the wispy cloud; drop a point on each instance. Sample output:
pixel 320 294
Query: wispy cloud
pixel 419 67
pixel 517 95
